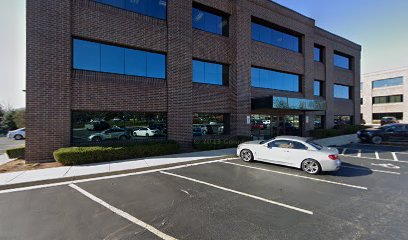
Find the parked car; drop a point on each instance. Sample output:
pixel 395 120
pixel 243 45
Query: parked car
pixel 197 132
pixel 146 132
pixel 388 120
pixel 291 151
pixel 389 132
pixel 257 125
pixel 204 128
pixel 266 122
pixel 18 134
pixel 110 134
pixel 97 126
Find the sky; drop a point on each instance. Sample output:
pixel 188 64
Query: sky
pixel 380 26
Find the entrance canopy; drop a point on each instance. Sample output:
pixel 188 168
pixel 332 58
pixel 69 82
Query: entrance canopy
pixel 274 102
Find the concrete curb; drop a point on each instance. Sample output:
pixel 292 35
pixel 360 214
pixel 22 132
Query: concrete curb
pixel 73 178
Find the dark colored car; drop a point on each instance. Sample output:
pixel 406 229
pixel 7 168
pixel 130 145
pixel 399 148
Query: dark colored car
pixel 257 125
pixel 390 132
pixel 388 120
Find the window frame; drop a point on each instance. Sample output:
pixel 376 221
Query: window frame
pixel 224 73
pixel 129 10
pixel 321 53
pixel 340 54
pixel 321 88
pixel 300 79
pixel 350 91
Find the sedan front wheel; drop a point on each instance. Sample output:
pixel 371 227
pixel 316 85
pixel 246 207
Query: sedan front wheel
pixel 246 155
pixel 311 166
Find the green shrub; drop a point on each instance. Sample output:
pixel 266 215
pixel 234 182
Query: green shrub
pixel 18 152
pixel 84 155
pixel 326 133
pixel 213 144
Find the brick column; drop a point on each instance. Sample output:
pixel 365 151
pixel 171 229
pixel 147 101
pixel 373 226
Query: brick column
pixel 329 55
pixel 308 81
pixel 48 78
pixel 179 72
pixel 240 84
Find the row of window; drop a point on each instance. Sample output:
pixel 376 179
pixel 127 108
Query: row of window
pixel 213 21
pixel 92 56
pixel 389 82
pixel 388 99
pixel 106 127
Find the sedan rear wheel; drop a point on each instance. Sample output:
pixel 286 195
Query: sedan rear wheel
pixel 377 140
pixel 18 137
pixel 311 166
pixel 246 155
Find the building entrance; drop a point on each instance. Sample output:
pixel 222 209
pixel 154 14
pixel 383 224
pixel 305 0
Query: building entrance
pixel 268 126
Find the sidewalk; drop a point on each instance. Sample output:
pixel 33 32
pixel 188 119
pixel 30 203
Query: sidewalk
pixel 22 177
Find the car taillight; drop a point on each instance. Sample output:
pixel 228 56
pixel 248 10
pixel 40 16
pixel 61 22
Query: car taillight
pixel 333 157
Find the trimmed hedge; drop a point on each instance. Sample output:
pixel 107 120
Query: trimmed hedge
pixel 18 152
pixel 326 133
pixel 84 155
pixel 214 144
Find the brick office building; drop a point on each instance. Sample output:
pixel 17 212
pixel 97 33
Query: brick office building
pixel 162 68
pixel 383 94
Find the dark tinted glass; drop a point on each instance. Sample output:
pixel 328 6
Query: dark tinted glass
pixel 112 59
pixel 318 54
pixel 342 61
pixel 317 88
pixel 263 78
pixel 340 120
pixel 107 128
pixel 397 115
pixel 153 8
pixel 210 73
pixel 388 99
pixel 318 122
pixel 388 82
pixel 298 145
pixel 275 37
pixel 341 91
pixel 209 22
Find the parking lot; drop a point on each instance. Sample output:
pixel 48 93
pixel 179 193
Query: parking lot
pixel 6 143
pixel 222 199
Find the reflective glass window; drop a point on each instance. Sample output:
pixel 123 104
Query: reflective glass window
pixel 264 78
pixel 209 22
pixel 318 54
pixel 275 37
pixel 99 57
pixel 342 61
pixel 388 82
pixel 341 91
pixel 210 73
pixel 317 88
pixel 152 8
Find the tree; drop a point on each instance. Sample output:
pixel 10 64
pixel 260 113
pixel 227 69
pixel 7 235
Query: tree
pixel 8 122
pixel 19 118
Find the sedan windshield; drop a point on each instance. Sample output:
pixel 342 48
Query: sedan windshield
pixel 266 140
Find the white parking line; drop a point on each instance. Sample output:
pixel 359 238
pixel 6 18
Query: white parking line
pixel 374 170
pixel 241 193
pixel 359 153
pixel 299 176
pixel 344 151
pixel 379 159
pixel 394 156
pixel 108 177
pixel 377 156
pixel 123 214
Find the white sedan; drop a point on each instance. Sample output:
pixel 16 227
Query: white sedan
pixel 291 151
pixel 18 134
pixel 146 132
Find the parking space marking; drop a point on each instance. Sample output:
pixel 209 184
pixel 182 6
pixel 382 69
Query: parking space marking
pixel 299 176
pixel 379 159
pixel 241 193
pixel 123 214
pixel 374 170
pixel 109 177
pixel 377 156
pixel 344 151
pixel 394 156
pixel 359 153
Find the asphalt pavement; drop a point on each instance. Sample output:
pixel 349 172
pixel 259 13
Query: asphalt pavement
pixel 6 143
pixel 366 199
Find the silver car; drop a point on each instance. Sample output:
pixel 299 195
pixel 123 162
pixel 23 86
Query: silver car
pixel 18 134
pixel 292 151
